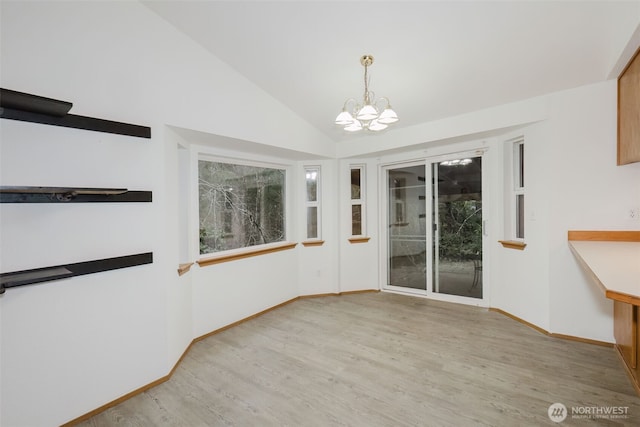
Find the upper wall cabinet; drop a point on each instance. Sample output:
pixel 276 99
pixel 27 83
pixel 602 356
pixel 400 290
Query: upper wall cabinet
pixel 629 113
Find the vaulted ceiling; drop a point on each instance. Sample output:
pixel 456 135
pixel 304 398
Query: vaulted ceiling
pixel 433 59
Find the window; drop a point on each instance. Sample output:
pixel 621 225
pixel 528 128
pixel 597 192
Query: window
pixel 357 201
pixel 518 188
pixel 240 205
pixel 514 194
pixel 312 201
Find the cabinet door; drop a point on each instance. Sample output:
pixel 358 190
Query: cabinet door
pixel 625 331
pixel 629 113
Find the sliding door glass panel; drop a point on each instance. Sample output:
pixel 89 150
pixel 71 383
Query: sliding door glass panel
pixel 457 225
pixel 406 221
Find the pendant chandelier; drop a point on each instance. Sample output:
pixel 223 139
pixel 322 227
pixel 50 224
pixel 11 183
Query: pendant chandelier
pixel 368 115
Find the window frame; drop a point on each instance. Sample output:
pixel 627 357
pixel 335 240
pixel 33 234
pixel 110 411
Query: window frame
pixel 518 220
pixel 361 201
pixel 313 203
pixel 203 153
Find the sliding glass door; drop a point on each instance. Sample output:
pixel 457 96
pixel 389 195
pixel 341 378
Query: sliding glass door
pixel 434 228
pixel 456 207
pixel 406 222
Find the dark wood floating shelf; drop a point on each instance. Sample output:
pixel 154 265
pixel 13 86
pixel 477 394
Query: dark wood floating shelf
pixel 46 274
pixel 11 194
pixel 37 109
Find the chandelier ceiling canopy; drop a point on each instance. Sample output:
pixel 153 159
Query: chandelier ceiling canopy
pixel 373 114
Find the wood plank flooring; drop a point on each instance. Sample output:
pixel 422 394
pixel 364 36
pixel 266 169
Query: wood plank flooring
pixel 381 359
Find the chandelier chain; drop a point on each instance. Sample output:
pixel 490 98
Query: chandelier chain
pixel 366 84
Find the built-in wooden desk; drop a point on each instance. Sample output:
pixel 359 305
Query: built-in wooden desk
pixel 612 258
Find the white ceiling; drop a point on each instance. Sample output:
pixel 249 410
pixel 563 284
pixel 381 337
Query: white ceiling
pixel 432 59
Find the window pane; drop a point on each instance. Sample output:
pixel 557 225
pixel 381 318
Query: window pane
pixel 312 222
pixel 356 220
pixel 355 184
pixel 312 185
pixel 240 206
pixel 520 216
pixel 521 165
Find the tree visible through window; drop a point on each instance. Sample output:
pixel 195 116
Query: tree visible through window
pixel 240 206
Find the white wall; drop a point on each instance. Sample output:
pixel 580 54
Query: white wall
pixel 572 183
pixel 318 265
pixel 592 194
pixel 520 279
pixel 359 261
pixel 63 338
pixel 227 292
pixel 179 291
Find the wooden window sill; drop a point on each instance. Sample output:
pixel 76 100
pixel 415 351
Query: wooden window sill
pixel 313 243
pixel 184 268
pixel 245 254
pixel 513 244
pixel 359 239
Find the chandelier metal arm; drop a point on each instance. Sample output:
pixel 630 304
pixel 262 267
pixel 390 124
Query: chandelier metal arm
pixel 355 104
pixel 386 100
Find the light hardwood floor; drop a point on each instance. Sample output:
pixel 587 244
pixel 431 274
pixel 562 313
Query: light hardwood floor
pixel 381 359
